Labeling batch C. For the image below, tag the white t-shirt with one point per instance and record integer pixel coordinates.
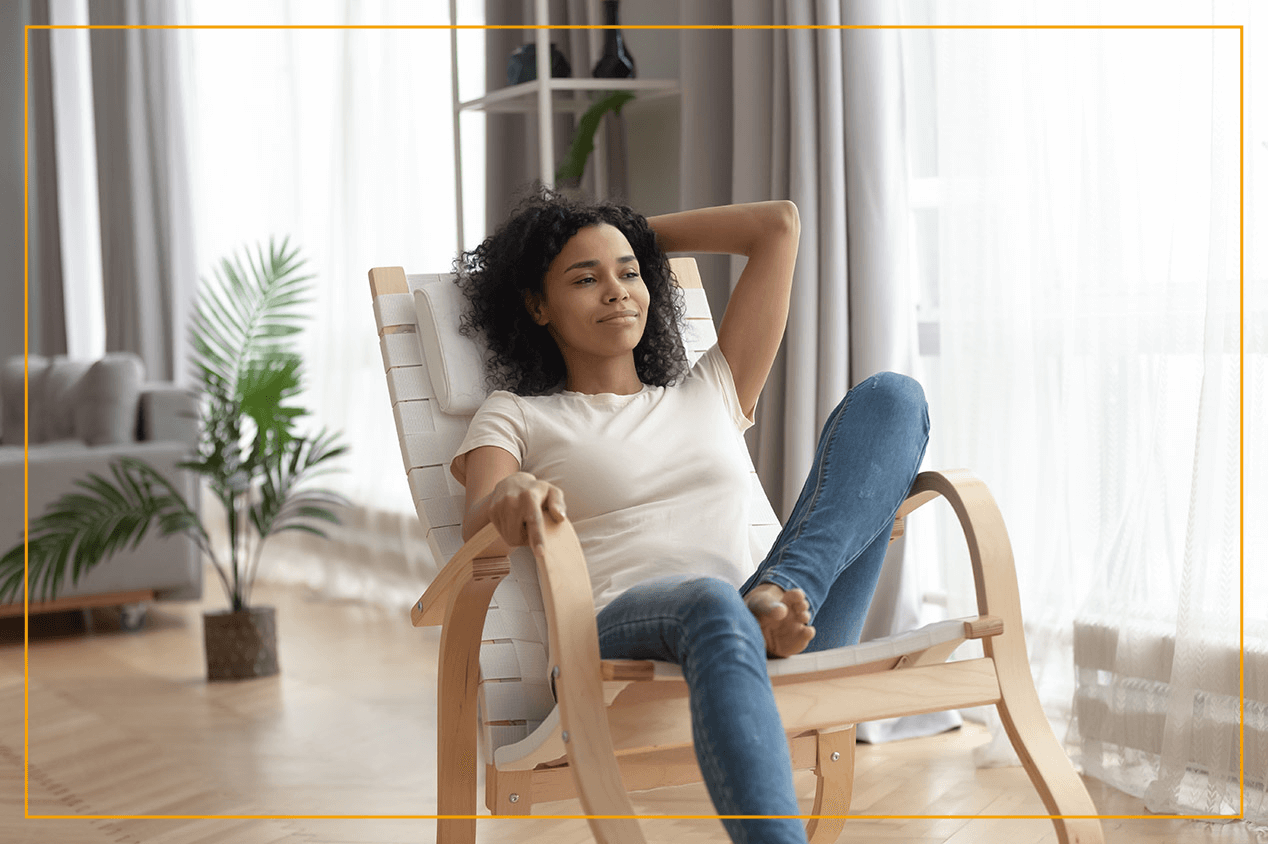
(655, 483)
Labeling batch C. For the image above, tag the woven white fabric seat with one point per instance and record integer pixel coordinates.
(543, 741)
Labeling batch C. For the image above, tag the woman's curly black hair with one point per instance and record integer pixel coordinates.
(496, 275)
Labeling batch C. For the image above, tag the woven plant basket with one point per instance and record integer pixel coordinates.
(241, 644)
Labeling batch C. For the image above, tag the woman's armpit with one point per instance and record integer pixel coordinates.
(458, 468)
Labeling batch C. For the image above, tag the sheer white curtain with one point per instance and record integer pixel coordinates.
(341, 139)
(1087, 266)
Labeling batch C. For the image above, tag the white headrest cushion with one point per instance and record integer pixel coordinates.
(454, 362)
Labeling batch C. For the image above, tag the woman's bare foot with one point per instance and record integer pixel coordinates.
(783, 616)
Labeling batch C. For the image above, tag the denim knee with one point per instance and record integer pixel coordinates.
(718, 618)
(901, 389)
(900, 396)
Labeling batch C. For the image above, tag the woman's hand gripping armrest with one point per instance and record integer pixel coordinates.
(516, 502)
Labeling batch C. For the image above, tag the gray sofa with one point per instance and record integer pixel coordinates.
(82, 416)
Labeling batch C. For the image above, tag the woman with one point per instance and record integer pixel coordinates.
(600, 418)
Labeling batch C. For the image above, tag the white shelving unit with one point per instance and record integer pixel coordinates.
(543, 96)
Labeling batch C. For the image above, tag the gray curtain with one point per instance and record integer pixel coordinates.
(148, 271)
(814, 116)
(47, 314)
(512, 138)
(13, 151)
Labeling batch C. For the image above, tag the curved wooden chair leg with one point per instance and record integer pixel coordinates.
(574, 649)
(991, 554)
(1046, 763)
(834, 770)
(456, 703)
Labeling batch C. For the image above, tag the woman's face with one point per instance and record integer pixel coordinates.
(594, 302)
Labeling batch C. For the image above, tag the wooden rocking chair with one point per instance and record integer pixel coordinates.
(512, 630)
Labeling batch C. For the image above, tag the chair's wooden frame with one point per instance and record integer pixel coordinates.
(624, 728)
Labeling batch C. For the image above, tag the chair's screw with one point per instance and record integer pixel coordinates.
(565, 736)
(515, 798)
(420, 605)
(836, 756)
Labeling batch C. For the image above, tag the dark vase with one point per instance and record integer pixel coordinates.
(240, 645)
(616, 61)
(522, 65)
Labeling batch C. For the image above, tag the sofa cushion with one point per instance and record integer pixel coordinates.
(11, 398)
(169, 412)
(60, 390)
(106, 410)
(170, 565)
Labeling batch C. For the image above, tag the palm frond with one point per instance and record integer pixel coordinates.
(245, 312)
(282, 494)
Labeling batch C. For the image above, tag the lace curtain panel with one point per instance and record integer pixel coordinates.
(1091, 370)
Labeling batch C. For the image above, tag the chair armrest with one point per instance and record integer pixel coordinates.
(1020, 711)
(990, 552)
(455, 599)
(574, 657)
(463, 567)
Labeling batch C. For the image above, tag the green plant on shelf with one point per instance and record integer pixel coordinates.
(573, 165)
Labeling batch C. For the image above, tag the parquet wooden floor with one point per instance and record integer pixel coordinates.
(124, 724)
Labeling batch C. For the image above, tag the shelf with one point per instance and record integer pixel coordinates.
(523, 97)
(544, 97)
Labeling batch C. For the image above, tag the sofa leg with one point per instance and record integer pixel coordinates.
(132, 616)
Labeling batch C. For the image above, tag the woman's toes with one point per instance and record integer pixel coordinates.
(784, 618)
(767, 611)
(767, 602)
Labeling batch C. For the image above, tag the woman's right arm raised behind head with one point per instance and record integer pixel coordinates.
(496, 491)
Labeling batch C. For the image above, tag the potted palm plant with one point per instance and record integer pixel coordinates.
(251, 456)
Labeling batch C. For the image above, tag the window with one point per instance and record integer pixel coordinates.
(341, 139)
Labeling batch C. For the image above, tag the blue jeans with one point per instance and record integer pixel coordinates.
(832, 547)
